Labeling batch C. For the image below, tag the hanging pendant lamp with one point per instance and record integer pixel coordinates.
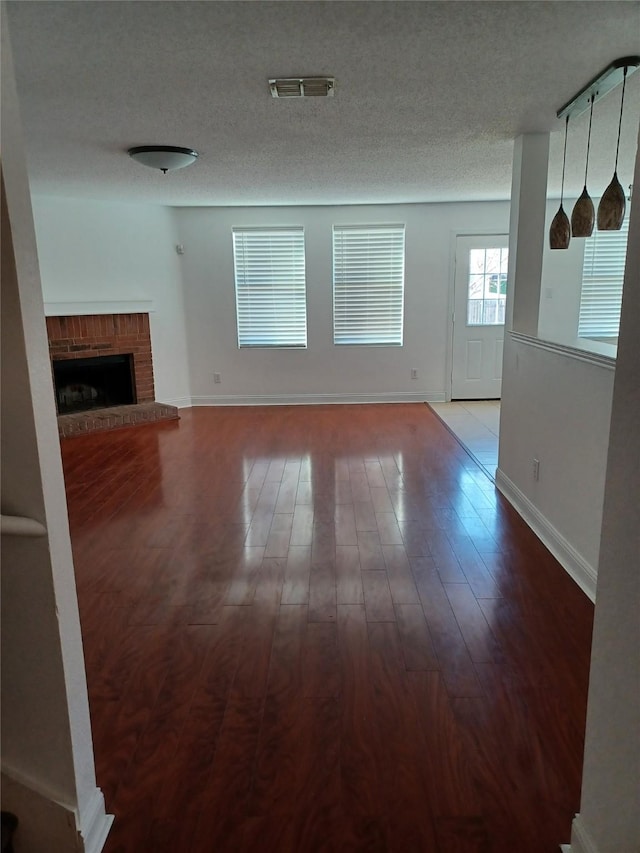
(583, 215)
(560, 230)
(612, 204)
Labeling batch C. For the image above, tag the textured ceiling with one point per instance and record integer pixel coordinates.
(429, 97)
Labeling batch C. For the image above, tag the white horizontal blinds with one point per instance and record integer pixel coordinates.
(602, 277)
(271, 302)
(368, 284)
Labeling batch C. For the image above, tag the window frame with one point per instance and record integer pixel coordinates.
(603, 268)
(499, 296)
(248, 338)
(353, 330)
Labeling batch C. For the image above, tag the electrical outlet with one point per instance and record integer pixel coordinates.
(217, 378)
(414, 372)
(536, 469)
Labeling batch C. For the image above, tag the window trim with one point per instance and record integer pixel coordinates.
(394, 257)
(605, 273)
(241, 237)
(487, 296)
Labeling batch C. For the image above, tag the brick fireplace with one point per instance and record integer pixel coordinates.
(106, 334)
(88, 337)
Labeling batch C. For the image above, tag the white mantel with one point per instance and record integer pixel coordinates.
(120, 306)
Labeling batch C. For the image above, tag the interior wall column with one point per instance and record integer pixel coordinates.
(526, 231)
(609, 819)
(526, 248)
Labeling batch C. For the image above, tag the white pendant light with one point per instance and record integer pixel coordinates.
(163, 157)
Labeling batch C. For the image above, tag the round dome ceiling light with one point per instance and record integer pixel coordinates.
(163, 157)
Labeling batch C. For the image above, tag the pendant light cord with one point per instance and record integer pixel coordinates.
(564, 158)
(624, 83)
(586, 168)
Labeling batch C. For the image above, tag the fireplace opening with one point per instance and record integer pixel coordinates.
(93, 383)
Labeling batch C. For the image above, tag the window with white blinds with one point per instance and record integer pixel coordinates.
(368, 284)
(602, 277)
(271, 297)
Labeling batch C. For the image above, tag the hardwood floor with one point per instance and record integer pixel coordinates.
(321, 629)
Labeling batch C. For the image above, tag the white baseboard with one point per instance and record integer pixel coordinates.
(317, 399)
(584, 574)
(47, 824)
(180, 402)
(581, 840)
(96, 824)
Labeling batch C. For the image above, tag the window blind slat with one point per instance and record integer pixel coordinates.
(271, 305)
(602, 278)
(368, 284)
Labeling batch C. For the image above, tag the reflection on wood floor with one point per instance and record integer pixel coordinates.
(321, 629)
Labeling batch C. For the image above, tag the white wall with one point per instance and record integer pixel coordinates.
(561, 291)
(556, 408)
(37, 742)
(609, 819)
(100, 251)
(561, 284)
(556, 402)
(324, 371)
(47, 757)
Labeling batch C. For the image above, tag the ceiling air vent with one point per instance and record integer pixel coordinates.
(302, 87)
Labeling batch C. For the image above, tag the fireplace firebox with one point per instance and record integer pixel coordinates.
(93, 383)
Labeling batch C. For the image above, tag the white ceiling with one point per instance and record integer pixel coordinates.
(429, 97)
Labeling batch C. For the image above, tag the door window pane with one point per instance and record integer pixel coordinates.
(487, 290)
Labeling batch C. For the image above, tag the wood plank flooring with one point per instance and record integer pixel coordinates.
(321, 629)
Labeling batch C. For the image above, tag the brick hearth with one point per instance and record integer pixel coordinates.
(96, 420)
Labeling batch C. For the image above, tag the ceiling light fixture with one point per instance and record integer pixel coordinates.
(163, 157)
(560, 231)
(583, 215)
(612, 204)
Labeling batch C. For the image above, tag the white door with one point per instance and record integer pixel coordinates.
(480, 293)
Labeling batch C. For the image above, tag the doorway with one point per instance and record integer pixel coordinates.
(480, 294)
